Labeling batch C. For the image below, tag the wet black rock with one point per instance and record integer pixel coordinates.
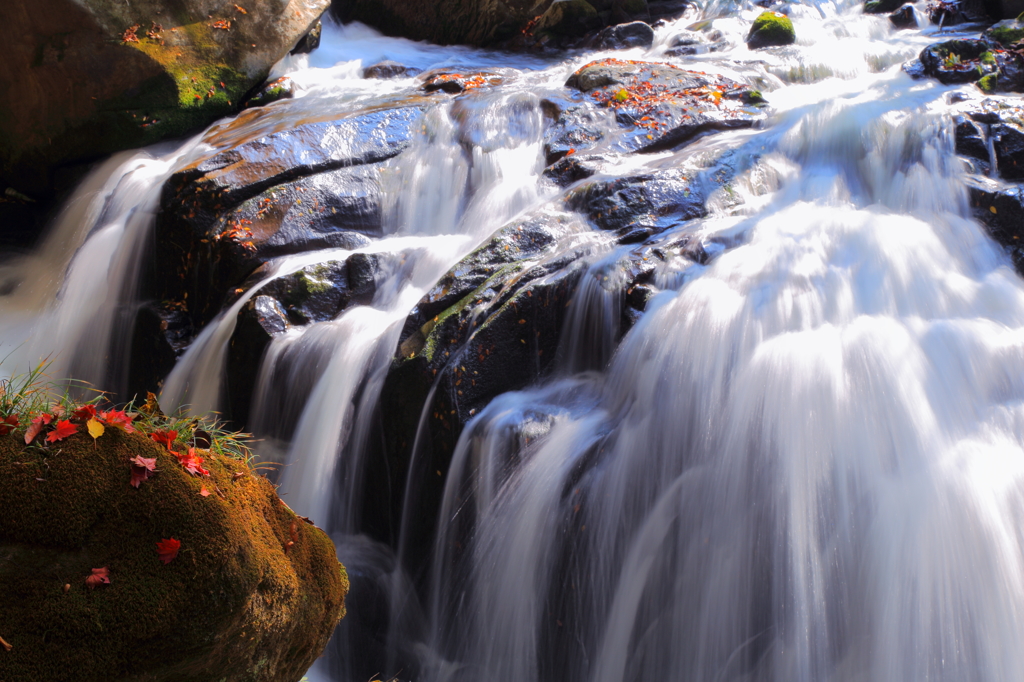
(638, 205)
(1008, 142)
(622, 37)
(659, 106)
(971, 139)
(389, 69)
(959, 61)
(904, 17)
(576, 124)
(258, 323)
(312, 184)
(1000, 208)
(493, 324)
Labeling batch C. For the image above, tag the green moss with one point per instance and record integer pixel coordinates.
(988, 58)
(1006, 32)
(770, 29)
(988, 83)
(234, 595)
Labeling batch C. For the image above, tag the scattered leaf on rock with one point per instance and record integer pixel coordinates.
(36, 426)
(165, 438)
(8, 424)
(192, 462)
(142, 469)
(100, 576)
(95, 428)
(167, 549)
(62, 430)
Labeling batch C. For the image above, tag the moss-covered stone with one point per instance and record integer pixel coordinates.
(568, 17)
(1006, 32)
(253, 594)
(771, 29)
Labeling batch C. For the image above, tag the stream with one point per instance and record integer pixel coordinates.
(803, 462)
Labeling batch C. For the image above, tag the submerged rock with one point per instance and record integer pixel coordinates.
(253, 594)
(622, 37)
(82, 80)
(389, 69)
(771, 29)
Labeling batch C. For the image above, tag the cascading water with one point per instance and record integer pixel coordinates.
(802, 464)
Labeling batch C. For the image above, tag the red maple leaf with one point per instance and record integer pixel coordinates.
(85, 412)
(204, 492)
(8, 424)
(192, 463)
(167, 549)
(142, 469)
(119, 419)
(36, 426)
(62, 430)
(100, 576)
(165, 438)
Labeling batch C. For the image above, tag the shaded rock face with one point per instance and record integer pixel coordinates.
(81, 81)
(254, 593)
(623, 37)
(904, 17)
(516, 23)
(441, 21)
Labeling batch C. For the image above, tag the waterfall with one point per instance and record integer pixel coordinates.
(803, 463)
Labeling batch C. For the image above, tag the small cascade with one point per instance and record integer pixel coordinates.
(778, 436)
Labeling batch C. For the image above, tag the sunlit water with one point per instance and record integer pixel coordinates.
(804, 464)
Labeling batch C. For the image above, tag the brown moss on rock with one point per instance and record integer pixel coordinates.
(254, 593)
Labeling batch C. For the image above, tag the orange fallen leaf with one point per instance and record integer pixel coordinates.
(204, 492)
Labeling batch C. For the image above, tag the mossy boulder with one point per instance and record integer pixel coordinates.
(1006, 32)
(79, 80)
(771, 29)
(253, 594)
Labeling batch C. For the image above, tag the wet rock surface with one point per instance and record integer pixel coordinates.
(311, 185)
(656, 106)
(993, 130)
(389, 69)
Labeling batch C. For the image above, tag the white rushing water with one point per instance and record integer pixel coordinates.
(804, 464)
